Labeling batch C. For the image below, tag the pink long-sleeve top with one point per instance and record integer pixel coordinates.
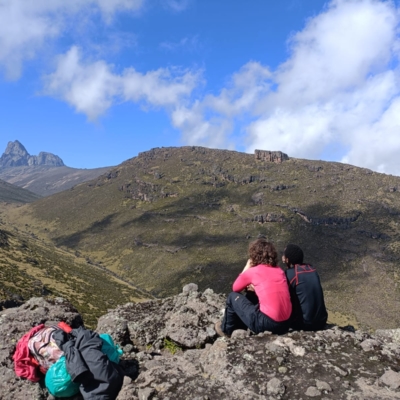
(271, 287)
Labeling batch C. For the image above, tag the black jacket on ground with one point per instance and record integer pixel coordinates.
(309, 311)
(98, 377)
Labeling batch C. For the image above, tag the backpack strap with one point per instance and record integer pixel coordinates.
(64, 326)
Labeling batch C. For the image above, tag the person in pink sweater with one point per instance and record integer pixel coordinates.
(266, 306)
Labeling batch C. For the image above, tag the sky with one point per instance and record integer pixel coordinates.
(98, 81)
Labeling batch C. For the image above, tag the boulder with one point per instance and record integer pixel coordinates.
(171, 351)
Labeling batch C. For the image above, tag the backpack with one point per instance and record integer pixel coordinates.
(44, 349)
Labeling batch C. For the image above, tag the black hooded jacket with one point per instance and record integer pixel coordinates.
(97, 376)
(309, 311)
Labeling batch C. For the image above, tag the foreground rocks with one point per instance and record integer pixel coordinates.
(172, 352)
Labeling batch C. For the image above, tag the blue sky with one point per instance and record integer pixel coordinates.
(97, 81)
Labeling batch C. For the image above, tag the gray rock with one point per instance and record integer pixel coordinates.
(391, 379)
(312, 391)
(14, 323)
(240, 334)
(369, 344)
(190, 287)
(321, 385)
(275, 387)
(146, 394)
(393, 334)
(172, 352)
(16, 155)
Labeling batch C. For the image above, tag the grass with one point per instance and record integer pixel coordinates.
(171, 346)
(14, 194)
(31, 268)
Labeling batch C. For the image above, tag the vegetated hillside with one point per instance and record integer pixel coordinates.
(176, 215)
(14, 194)
(46, 180)
(29, 267)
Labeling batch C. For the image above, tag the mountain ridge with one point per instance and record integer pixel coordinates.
(44, 174)
(16, 155)
(174, 215)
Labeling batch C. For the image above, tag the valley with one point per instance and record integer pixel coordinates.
(177, 215)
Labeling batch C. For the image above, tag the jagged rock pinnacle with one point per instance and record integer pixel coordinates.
(16, 155)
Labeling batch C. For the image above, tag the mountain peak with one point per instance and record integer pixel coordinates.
(16, 155)
(16, 148)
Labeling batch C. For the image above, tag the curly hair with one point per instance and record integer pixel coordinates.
(263, 252)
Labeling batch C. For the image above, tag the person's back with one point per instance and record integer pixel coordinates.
(309, 311)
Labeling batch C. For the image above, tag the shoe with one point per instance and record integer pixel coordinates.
(219, 330)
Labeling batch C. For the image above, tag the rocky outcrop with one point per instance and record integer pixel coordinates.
(270, 156)
(268, 217)
(16, 156)
(44, 174)
(171, 351)
(343, 221)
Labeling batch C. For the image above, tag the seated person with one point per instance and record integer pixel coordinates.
(268, 307)
(309, 311)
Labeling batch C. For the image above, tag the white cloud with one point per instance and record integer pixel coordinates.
(177, 5)
(197, 130)
(25, 26)
(337, 51)
(191, 43)
(89, 88)
(209, 122)
(92, 87)
(339, 88)
(163, 87)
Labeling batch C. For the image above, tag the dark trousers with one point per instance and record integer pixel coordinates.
(243, 311)
(302, 326)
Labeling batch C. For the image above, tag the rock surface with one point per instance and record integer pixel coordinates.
(271, 156)
(16, 156)
(42, 175)
(171, 351)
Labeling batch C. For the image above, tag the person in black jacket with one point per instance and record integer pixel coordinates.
(309, 311)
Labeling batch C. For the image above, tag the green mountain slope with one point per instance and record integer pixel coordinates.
(14, 194)
(30, 267)
(175, 215)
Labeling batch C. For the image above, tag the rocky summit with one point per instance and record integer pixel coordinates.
(16, 155)
(171, 351)
(44, 174)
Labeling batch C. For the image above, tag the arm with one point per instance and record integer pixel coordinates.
(244, 279)
(248, 265)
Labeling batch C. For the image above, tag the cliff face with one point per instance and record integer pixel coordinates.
(171, 351)
(271, 156)
(16, 156)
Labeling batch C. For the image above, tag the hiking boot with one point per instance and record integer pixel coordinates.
(219, 330)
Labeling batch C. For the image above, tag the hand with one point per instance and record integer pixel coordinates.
(250, 288)
(248, 265)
